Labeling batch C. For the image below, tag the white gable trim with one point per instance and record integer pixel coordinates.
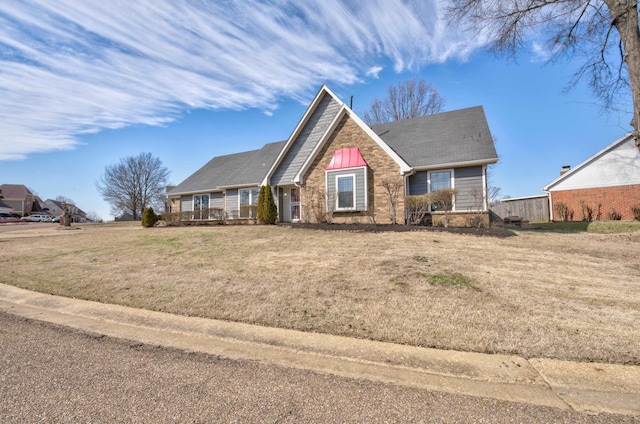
(587, 162)
(298, 179)
(296, 132)
(404, 167)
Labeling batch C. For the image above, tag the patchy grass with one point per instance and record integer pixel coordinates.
(596, 227)
(540, 293)
(449, 279)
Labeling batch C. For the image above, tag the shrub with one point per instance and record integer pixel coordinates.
(261, 203)
(248, 211)
(613, 215)
(417, 207)
(635, 210)
(587, 211)
(563, 212)
(443, 200)
(316, 206)
(149, 218)
(267, 209)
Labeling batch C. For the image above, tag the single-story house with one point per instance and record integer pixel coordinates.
(605, 186)
(334, 165)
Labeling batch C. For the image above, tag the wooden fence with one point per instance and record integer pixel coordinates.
(532, 209)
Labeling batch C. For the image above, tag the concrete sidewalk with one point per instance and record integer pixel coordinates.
(582, 386)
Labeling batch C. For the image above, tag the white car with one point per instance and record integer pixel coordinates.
(36, 218)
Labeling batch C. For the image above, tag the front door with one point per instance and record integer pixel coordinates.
(295, 204)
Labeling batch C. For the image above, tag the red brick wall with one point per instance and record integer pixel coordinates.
(620, 198)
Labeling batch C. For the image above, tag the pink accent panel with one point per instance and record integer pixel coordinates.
(346, 158)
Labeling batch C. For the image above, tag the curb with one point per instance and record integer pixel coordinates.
(586, 387)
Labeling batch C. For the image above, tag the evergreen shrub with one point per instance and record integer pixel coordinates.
(149, 217)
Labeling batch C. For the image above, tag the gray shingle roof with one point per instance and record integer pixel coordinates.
(445, 138)
(238, 169)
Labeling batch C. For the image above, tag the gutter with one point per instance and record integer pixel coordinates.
(455, 164)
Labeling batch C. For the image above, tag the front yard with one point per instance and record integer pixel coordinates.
(536, 293)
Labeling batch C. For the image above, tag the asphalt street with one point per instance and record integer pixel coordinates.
(54, 374)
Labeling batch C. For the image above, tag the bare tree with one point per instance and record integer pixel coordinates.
(604, 33)
(93, 216)
(443, 199)
(65, 199)
(408, 99)
(393, 189)
(133, 184)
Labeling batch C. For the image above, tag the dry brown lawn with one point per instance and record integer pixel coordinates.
(566, 296)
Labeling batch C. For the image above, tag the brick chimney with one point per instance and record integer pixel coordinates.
(565, 169)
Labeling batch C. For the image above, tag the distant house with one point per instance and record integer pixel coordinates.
(334, 164)
(55, 208)
(19, 198)
(605, 186)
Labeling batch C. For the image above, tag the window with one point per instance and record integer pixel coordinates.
(201, 206)
(248, 202)
(439, 181)
(345, 185)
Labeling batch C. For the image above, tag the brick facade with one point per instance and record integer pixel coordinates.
(619, 199)
(380, 167)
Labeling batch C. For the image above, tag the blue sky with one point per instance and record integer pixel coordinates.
(83, 84)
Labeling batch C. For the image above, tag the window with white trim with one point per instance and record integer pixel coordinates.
(439, 180)
(201, 206)
(248, 198)
(345, 192)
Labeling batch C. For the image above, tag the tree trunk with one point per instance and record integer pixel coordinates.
(625, 18)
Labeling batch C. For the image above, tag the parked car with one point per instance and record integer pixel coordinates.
(8, 217)
(36, 218)
(56, 218)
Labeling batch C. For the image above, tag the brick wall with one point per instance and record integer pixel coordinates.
(620, 198)
(381, 166)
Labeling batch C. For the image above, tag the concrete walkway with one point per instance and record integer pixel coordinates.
(588, 387)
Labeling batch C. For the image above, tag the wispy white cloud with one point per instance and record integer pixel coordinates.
(70, 67)
(541, 53)
(374, 72)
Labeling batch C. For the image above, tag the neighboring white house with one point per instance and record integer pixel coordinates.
(606, 185)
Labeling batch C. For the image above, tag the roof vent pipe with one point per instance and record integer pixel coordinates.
(565, 169)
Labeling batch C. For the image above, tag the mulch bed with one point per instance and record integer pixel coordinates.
(373, 228)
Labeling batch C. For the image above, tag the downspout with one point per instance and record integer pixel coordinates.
(297, 184)
(485, 189)
(406, 192)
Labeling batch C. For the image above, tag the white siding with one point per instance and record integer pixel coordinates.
(216, 201)
(232, 202)
(616, 167)
(186, 203)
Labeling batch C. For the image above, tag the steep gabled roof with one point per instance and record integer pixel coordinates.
(337, 115)
(14, 191)
(237, 170)
(449, 138)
